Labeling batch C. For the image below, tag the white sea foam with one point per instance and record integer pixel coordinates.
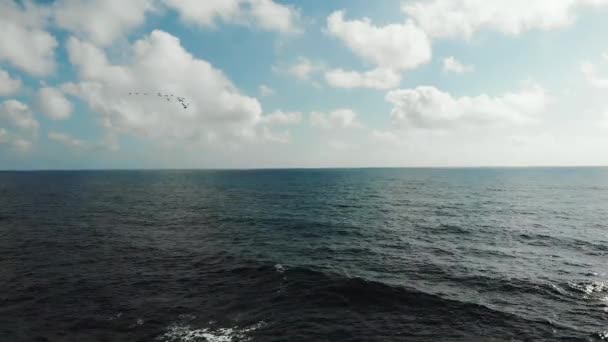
(590, 288)
(185, 333)
(279, 268)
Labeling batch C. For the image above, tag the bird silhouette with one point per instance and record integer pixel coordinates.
(168, 97)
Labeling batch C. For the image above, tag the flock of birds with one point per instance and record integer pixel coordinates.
(168, 97)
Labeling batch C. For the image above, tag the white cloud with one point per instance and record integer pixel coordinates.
(462, 18)
(391, 49)
(8, 85)
(53, 104)
(19, 116)
(265, 14)
(279, 117)
(303, 69)
(266, 90)
(66, 140)
(375, 79)
(101, 21)
(592, 75)
(394, 46)
(23, 41)
(21, 144)
(273, 136)
(429, 107)
(217, 109)
(272, 16)
(339, 118)
(451, 64)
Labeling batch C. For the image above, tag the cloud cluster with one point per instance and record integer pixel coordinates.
(395, 48)
(376, 79)
(391, 49)
(216, 107)
(8, 84)
(24, 42)
(265, 14)
(53, 104)
(429, 107)
(463, 18)
(100, 22)
(18, 117)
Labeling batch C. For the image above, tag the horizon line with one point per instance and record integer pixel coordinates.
(311, 168)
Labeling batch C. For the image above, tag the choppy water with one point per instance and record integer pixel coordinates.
(305, 255)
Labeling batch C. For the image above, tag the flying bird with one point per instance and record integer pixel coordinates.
(181, 100)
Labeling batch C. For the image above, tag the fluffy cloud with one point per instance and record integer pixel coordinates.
(375, 79)
(265, 14)
(462, 18)
(53, 104)
(100, 21)
(216, 107)
(66, 140)
(339, 118)
(395, 46)
(23, 41)
(273, 136)
(19, 116)
(8, 85)
(451, 64)
(391, 48)
(16, 142)
(428, 107)
(592, 75)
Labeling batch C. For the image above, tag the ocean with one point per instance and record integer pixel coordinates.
(488, 254)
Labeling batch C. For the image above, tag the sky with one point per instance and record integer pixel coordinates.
(269, 83)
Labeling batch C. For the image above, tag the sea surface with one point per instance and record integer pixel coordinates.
(305, 255)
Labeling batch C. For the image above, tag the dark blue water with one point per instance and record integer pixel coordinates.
(305, 255)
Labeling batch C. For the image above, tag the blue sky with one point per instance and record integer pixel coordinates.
(302, 83)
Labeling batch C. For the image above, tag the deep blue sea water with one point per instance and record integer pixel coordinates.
(305, 255)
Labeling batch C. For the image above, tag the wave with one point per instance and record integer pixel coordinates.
(185, 333)
(589, 289)
(543, 240)
(342, 299)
